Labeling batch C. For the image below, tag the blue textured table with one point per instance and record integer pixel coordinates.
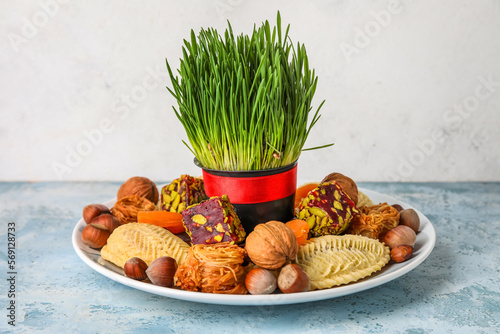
(456, 290)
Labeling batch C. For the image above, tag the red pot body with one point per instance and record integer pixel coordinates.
(257, 196)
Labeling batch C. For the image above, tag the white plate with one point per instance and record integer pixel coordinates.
(426, 239)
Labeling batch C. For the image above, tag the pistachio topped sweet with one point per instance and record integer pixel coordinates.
(213, 221)
(181, 193)
(327, 210)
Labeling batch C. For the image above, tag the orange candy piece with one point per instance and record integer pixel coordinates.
(172, 221)
(302, 192)
(300, 228)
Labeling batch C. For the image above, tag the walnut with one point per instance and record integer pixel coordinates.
(271, 245)
(347, 184)
(141, 186)
(126, 208)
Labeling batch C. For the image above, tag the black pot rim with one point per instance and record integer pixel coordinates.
(247, 173)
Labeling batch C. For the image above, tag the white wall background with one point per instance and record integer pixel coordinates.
(412, 88)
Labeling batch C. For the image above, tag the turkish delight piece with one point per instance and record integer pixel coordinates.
(213, 221)
(327, 210)
(181, 193)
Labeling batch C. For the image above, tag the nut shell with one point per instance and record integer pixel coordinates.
(162, 270)
(107, 220)
(260, 281)
(293, 279)
(93, 210)
(271, 245)
(401, 253)
(347, 184)
(397, 207)
(140, 186)
(400, 235)
(410, 218)
(95, 235)
(135, 268)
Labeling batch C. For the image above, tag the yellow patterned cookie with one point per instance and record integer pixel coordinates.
(145, 241)
(363, 200)
(333, 260)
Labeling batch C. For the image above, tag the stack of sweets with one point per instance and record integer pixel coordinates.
(327, 210)
(213, 221)
(181, 193)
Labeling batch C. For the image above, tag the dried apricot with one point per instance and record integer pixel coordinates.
(302, 192)
(172, 221)
(300, 228)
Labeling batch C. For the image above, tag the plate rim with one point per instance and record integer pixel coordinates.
(272, 299)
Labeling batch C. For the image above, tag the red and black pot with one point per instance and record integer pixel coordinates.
(257, 196)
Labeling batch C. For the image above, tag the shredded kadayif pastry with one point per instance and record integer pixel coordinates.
(374, 221)
(215, 268)
(126, 208)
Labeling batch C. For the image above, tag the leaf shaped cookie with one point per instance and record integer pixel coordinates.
(363, 200)
(333, 260)
(145, 241)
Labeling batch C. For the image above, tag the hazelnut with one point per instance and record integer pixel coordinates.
(260, 281)
(140, 186)
(93, 210)
(162, 270)
(400, 235)
(95, 235)
(106, 220)
(397, 207)
(293, 278)
(401, 253)
(410, 218)
(135, 268)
